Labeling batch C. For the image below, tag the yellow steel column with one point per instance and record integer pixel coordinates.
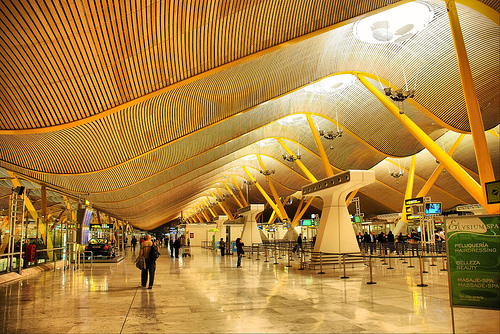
(31, 209)
(409, 186)
(298, 162)
(351, 196)
(219, 202)
(204, 213)
(299, 207)
(239, 191)
(234, 196)
(458, 173)
(266, 196)
(223, 201)
(321, 149)
(432, 179)
(481, 149)
(304, 209)
(209, 208)
(273, 190)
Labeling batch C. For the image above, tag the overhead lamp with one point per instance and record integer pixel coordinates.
(291, 158)
(330, 135)
(399, 95)
(250, 183)
(267, 172)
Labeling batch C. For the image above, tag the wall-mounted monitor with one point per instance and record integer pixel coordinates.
(432, 208)
(306, 222)
(357, 219)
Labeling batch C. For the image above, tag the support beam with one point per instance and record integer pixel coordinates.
(432, 179)
(266, 196)
(223, 201)
(42, 227)
(321, 149)
(273, 190)
(240, 192)
(232, 194)
(481, 149)
(304, 209)
(209, 208)
(409, 186)
(451, 166)
(351, 196)
(299, 163)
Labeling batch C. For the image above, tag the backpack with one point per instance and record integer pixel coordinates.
(154, 253)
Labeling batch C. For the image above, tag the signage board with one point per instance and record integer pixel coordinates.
(492, 192)
(473, 245)
(413, 201)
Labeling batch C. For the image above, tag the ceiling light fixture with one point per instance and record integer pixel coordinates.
(395, 25)
(291, 157)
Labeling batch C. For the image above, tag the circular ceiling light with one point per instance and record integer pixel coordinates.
(267, 142)
(292, 120)
(394, 25)
(333, 84)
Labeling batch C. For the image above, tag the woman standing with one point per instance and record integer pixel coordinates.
(239, 251)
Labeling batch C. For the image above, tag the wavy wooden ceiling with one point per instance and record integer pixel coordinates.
(143, 107)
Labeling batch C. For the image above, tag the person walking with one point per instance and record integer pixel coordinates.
(239, 251)
(134, 242)
(150, 263)
(222, 246)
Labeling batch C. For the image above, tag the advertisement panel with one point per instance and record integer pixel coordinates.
(473, 244)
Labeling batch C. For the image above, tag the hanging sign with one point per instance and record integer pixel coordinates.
(473, 244)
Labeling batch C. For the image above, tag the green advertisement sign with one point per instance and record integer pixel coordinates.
(473, 244)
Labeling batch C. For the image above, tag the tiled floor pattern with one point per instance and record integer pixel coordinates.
(206, 293)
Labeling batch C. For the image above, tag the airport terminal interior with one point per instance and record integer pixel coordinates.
(352, 146)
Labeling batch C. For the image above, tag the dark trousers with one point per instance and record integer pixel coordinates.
(172, 251)
(150, 268)
(222, 251)
(177, 252)
(239, 260)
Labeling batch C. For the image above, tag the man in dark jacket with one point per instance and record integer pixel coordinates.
(177, 245)
(239, 251)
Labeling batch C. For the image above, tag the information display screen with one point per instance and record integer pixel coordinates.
(306, 222)
(432, 208)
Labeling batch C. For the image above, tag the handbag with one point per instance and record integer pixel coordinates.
(140, 262)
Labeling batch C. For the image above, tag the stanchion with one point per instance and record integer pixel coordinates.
(370, 265)
(267, 250)
(390, 265)
(275, 255)
(343, 261)
(421, 272)
(321, 263)
(384, 262)
(289, 256)
(258, 254)
(423, 265)
(410, 266)
(444, 265)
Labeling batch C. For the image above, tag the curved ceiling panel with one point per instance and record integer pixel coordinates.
(144, 107)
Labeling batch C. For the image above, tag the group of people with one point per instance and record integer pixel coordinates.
(370, 241)
(239, 249)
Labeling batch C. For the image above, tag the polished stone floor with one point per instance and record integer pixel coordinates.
(206, 293)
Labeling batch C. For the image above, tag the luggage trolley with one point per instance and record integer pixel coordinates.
(186, 251)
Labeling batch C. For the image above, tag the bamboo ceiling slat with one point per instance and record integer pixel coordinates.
(66, 62)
